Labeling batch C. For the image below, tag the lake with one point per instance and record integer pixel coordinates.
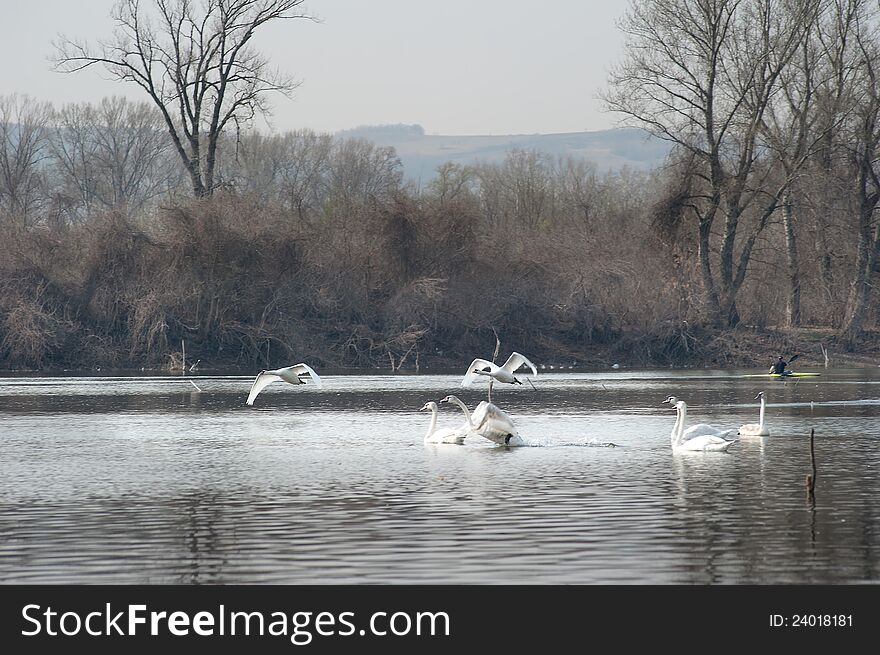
(136, 479)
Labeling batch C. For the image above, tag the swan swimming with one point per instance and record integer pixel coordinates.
(489, 421)
(445, 435)
(701, 428)
(698, 442)
(503, 373)
(287, 374)
(756, 429)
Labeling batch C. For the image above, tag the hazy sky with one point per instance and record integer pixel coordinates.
(455, 67)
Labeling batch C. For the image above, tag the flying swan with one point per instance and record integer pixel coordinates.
(489, 421)
(756, 429)
(503, 373)
(699, 442)
(289, 374)
(445, 435)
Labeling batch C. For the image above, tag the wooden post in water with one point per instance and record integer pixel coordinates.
(811, 477)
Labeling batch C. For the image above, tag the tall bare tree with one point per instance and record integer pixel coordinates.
(289, 169)
(114, 154)
(864, 139)
(196, 63)
(23, 132)
(794, 127)
(700, 74)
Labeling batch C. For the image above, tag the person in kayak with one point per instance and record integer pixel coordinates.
(779, 368)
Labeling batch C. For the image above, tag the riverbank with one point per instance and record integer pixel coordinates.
(744, 347)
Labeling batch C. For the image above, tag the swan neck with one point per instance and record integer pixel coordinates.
(678, 430)
(761, 414)
(433, 423)
(464, 409)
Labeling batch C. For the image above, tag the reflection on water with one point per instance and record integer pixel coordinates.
(146, 480)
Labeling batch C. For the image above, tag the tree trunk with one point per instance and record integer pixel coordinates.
(793, 301)
(826, 272)
(860, 288)
(727, 284)
(709, 290)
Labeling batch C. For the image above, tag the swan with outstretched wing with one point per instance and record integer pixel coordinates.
(504, 373)
(290, 374)
(489, 421)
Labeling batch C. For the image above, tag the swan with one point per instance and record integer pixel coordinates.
(503, 373)
(288, 374)
(702, 428)
(756, 429)
(445, 435)
(699, 442)
(489, 421)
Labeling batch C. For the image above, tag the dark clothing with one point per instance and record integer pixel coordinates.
(779, 367)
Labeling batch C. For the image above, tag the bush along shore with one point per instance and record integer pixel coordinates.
(409, 284)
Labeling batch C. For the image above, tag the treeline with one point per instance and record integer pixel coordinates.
(315, 248)
(774, 111)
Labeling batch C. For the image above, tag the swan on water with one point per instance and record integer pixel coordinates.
(289, 374)
(489, 421)
(702, 428)
(756, 429)
(503, 373)
(445, 435)
(697, 442)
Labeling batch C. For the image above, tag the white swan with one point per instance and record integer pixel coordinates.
(698, 442)
(756, 429)
(702, 428)
(287, 374)
(489, 421)
(444, 435)
(503, 373)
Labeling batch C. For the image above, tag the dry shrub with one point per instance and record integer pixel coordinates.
(147, 325)
(32, 334)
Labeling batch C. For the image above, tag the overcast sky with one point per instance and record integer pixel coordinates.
(457, 67)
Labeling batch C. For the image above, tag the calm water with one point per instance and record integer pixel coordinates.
(146, 480)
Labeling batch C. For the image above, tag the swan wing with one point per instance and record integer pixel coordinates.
(264, 378)
(493, 423)
(515, 361)
(488, 413)
(301, 369)
(704, 429)
(477, 365)
(708, 442)
(496, 430)
(447, 435)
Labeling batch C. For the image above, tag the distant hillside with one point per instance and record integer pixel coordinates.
(421, 154)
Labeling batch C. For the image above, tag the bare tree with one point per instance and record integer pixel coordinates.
(794, 127)
(114, 154)
(23, 130)
(289, 170)
(195, 62)
(864, 136)
(360, 173)
(700, 74)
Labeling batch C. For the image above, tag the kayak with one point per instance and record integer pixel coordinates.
(783, 375)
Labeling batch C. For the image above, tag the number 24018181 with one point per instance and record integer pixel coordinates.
(812, 620)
